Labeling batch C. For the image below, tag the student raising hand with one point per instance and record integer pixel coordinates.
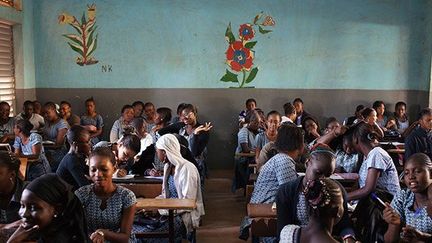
(204, 128)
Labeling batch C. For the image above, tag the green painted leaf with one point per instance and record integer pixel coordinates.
(252, 75)
(90, 35)
(76, 48)
(263, 31)
(77, 28)
(93, 47)
(250, 45)
(257, 17)
(83, 19)
(75, 38)
(229, 77)
(89, 26)
(229, 36)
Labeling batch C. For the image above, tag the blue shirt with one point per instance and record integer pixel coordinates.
(50, 130)
(96, 121)
(245, 136)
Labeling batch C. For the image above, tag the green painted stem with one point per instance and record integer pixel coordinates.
(244, 78)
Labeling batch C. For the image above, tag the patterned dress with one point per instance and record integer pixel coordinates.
(96, 121)
(290, 234)
(110, 217)
(178, 224)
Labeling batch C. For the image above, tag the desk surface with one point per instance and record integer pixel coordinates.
(169, 203)
(263, 210)
(138, 180)
(396, 151)
(339, 176)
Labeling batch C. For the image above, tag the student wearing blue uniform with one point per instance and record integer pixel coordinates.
(92, 121)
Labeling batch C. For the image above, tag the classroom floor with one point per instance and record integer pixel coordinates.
(224, 210)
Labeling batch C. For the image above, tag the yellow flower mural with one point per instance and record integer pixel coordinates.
(85, 41)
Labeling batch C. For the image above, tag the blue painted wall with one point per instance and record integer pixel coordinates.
(332, 44)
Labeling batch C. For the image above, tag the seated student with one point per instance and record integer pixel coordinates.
(311, 128)
(6, 123)
(420, 139)
(140, 127)
(11, 187)
(55, 131)
(109, 208)
(290, 113)
(281, 167)
(408, 210)
(379, 107)
(301, 113)
(73, 168)
(377, 169)
(391, 124)
(267, 152)
(122, 124)
(66, 114)
(245, 144)
(251, 104)
(138, 107)
(124, 151)
(29, 144)
(178, 118)
(181, 180)
(37, 107)
(354, 119)
(51, 212)
(92, 121)
(150, 115)
(292, 206)
(27, 114)
(370, 117)
(325, 201)
(402, 121)
(269, 135)
(162, 119)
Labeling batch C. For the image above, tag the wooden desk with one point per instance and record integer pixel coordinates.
(138, 180)
(261, 210)
(396, 151)
(141, 186)
(264, 220)
(24, 166)
(170, 204)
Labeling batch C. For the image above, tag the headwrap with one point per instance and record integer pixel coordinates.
(186, 180)
(55, 191)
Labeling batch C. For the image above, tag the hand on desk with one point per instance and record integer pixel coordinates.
(154, 172)
(121, 173)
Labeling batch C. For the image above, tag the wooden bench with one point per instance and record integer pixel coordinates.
(264, 221)
(144, 190)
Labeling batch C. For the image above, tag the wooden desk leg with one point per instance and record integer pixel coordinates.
(171, 229)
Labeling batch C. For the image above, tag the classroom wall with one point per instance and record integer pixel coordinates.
(334, 54)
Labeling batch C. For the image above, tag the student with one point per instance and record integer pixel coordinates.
(55, 131)
(141, 131)
(138, 107)
(401, 117)
(178, 118)
(109, 208)
(150, 115)
(6, 123)
(92, 121)
(290, 113)
(29, 144)
(251, 104)
(301, 113)
(27, 114)
(325, 201)
(311, 128)
(281, 167)
(357, 116)
(420, 139)
(370, 117)
(408, 210)
(273, 122)
(37, 107)
(181, 180)
(11, 187)
(162, 119)
(66, 114)
(122, 124)
(292, 206)
(379, 107)
(391, 125)
(377, 169)
(73, 168)
(51, 211)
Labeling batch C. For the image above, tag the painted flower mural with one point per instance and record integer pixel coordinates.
(85, 41)
(240, 53)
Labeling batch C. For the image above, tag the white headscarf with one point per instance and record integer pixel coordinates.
(186, 179)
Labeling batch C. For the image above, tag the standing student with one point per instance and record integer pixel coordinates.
(6, 123)
(420, 139)
(109, 208)
(123, 124)
(27, 114)
(73, 168)
(66, 114)
(408, 210)
(92, 121)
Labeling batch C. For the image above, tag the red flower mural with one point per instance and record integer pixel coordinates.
(240, 54)
(239, 57)
(246, 32)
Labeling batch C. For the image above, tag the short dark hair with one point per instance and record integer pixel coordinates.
(131, 141)
(425, 112)
(180, 107)
(273, 113)
(9, 160)
(4, 103)
(298, 100)
(400, 103)
(125, 107)
(190, 107)
(367, 111)
(289, 109)
(165, 114)
(359, 108)
(251, 100)
(27, 103)
(138, 102)
(24, 126)
(421, 158)
(378, 103)
(289, 138)
(63, 102)
(75, 133)
(50, 105)
(90, 100)
(330, 120)
(104, 152)
(365, 133)
(148, 104)
(251, 115)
